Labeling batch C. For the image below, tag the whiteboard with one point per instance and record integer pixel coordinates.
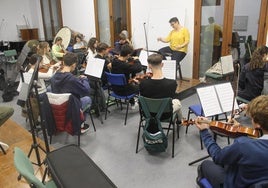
(159, 26)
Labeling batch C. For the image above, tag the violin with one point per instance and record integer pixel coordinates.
(228, 129)
(140, 77)
(45, 68)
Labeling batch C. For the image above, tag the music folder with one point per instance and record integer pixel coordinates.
(94, 67)
(217, 99)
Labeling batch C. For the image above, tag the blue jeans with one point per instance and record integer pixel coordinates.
(86, 103)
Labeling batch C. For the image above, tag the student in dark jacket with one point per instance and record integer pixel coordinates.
(125, 64)
(244, 162)
(65, 82)
(252, 75)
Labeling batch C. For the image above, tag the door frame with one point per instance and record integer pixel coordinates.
(227, 32)
(111, 16)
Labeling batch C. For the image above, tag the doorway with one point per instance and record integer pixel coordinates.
(112, 16)
(234, 19)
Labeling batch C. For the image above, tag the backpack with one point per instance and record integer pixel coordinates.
(154, 138)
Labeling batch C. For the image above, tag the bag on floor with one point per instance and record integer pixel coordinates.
(153, 136)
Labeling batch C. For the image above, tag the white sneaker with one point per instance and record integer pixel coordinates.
(4, 146)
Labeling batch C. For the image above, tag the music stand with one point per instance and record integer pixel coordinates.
(32, 90)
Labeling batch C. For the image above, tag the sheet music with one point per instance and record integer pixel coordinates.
(169, 69)
(226, 96)
(144, 56)
(227, 64)
(209, 100)
(95, 67)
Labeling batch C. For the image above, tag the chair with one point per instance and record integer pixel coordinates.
(153, 106)
(197, 110)
(117, 80)
(57, 113)
(25, 168)
(11, 56)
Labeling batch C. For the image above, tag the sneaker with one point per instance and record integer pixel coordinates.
(84, 128)
(199, 176)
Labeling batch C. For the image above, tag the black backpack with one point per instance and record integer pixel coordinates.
(154, 138)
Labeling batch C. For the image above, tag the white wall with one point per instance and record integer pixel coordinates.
(12, 13)
(156, 14)
(79, 16)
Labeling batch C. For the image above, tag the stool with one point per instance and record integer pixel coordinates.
(197, 110)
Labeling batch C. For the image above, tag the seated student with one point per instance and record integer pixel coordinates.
(58, 50)
(118, 45)
(79, 43)
(122, 65)
(242, 163)
(96, 85)
(158, 86)
(252, 75)
(65, 82)
(91, 48)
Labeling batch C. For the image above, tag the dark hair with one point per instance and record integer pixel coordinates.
(257, 58)
(211, 20)
(101, 46)
(155, 59)
(78, 36)
(174, 19)
(258, 111)
(58, 39)
(34, 58)
(91, 43)
(70, 59)
(126, 49)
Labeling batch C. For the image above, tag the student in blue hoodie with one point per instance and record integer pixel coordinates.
(65, 82)
(245, 161)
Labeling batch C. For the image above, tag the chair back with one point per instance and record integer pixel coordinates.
(116, 79)
(25, 168)
(10, 55)
(154, 105)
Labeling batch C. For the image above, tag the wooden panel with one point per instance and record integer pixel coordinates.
(29, 34)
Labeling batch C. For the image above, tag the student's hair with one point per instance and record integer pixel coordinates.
(78, 36)
(101, 46)
(174, 19)
(122, 36)
(257, 58)
(34, 58)
(126, 49)
(70, 59)
(91, 43)
(58, 39)
(41, 47)
(258, 111)
(155, 59)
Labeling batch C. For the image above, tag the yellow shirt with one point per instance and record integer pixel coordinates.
(217, 32)
(176, 38)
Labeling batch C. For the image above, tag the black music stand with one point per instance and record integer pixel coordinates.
(32, 90)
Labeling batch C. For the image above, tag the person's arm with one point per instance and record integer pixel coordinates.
(165, 40)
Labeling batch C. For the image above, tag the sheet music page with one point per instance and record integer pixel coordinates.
(227, 64)
(169, 69)
(144, 56)
(94, 67)
(226, 96)
(209, 100)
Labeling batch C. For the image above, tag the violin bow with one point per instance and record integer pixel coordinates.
(236, 89)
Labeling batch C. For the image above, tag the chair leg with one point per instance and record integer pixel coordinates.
(78, 140)
(138, 137)
(201, 142)
(92, 121)
(188, 118)
(126, 112)
(179, 68)
(173, 140)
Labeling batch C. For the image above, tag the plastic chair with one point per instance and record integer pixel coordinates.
(117, 80)
(57, 112)
(25, 168)
(11, 56)
(153, 106)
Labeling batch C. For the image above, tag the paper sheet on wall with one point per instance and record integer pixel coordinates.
(209, 100)
(94, 67)
(169, 69)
